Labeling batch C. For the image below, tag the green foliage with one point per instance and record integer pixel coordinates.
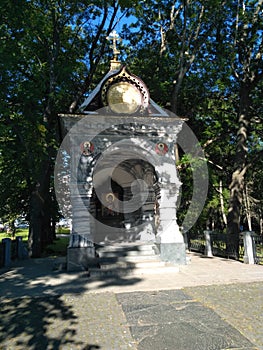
(58, 247)
(19, 232)
(49, 53)
(194, 57)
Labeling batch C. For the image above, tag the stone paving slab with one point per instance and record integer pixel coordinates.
(157, 320)
(38, 277)
(173, 320)
(239, 304)
(70, 322)
(44, 308)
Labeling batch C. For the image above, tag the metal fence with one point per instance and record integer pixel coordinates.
(197, 244)
(218, 244)
(258, 241)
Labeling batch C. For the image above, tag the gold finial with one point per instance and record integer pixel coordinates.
(114, 37)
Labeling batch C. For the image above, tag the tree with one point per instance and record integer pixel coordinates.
(169, 37)
(247, 65)
(44, 51)
(203, 60)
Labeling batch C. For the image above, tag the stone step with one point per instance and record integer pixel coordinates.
(132, 248)
(133, 265)
(127, 271)
(157, 270)
(129, 258)
(126, 244)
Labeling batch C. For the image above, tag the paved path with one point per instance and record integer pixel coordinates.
(210, 304)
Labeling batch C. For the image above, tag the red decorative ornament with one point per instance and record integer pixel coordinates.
(161, 148)
(87, 148)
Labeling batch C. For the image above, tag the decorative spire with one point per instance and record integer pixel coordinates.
(115, 38)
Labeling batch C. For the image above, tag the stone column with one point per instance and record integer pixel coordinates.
(80, 219)
(208, 244)
(172, 246)
(21, 250)
(81, 251)
(78, 192)
(7, 251)
(249, 246)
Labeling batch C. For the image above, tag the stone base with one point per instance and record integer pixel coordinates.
(80, 259)
(173, 253)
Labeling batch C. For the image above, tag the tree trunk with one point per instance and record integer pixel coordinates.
(237, 183)
(46, 184)
(233, 217)
(222, 203)
(40, 233)
(247, 208)
(260, 220)
(176, 89)
(35, 229)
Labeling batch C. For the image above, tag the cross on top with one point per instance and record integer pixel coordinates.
(114, 37)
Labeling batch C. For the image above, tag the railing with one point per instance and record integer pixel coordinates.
(212, 244)
(197, 244)
(258, 241)
(2, 257)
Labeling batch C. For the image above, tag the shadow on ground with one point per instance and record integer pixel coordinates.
(35, 323)
(38, 277)
(46, 309)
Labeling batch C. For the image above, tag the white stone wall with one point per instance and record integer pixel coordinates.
(117, 139)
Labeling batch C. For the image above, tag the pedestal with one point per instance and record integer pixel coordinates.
(80, 259)
(80, 253)
(172, 245)
(173, 253)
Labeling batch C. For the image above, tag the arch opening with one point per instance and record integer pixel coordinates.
(143, 217)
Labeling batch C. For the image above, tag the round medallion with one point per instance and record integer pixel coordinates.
(87, 148)
(161, 148)
(123, 97)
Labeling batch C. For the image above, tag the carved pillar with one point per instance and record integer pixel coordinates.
(79, 199)
(172, 246)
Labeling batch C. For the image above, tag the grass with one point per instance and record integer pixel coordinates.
(19, 232)
(57, 248)
(63, 230)
(60, 244)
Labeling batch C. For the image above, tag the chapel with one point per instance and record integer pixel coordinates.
(123, 182)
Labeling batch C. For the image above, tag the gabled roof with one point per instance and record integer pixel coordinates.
(92, 103)
(84, 107)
